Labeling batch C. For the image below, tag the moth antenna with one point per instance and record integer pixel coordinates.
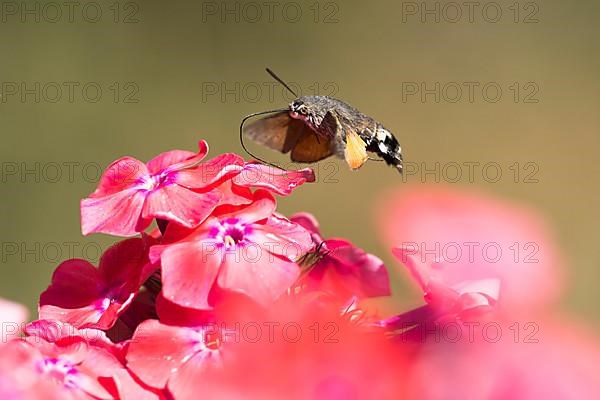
(242, 135)
(278, 79)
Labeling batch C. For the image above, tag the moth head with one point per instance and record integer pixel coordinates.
(299, 110)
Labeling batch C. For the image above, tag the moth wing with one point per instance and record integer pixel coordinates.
(278, 132)
(355, 152)
(311, 148)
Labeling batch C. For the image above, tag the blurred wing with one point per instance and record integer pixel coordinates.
(279, 131)
(311, 148)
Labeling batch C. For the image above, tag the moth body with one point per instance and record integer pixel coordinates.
(316, 127)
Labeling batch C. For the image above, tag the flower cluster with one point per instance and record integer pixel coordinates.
(227, 298)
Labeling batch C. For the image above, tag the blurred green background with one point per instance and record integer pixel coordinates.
(85, 85)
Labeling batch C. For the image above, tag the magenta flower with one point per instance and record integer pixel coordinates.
(248, 250)
(342, 268)
(89, 297)
(172, 186)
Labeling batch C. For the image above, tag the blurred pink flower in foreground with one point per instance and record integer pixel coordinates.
(477, 237)
(12, 318)
(290, 350)
(485, 332)
(57, 361)
(496, 359)
(450, 300)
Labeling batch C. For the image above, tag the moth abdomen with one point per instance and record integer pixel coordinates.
(384, 144)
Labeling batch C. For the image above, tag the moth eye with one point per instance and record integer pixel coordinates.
(303, 111)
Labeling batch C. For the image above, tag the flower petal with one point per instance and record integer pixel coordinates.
(115, 214)
(189, 271)
(308, 221)
(282, 237)
(175, 160)
(263, 279)
(443, 292)
(12, 315)
(277, 180)
(75, 283)
(263, 205)
(157, 350)
(184, 383)
(348, 271)
(122, 263)
(130, 388)
(181, 205)
(124, 173)
(488, 238)
(234, 195)
(211, 172)
(79, 317)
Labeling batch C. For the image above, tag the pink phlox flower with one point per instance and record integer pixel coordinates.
(247, 249)
(341, 268)
(173, 186)
(85, 296)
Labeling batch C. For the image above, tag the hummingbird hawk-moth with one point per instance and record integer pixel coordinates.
(315, 127)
